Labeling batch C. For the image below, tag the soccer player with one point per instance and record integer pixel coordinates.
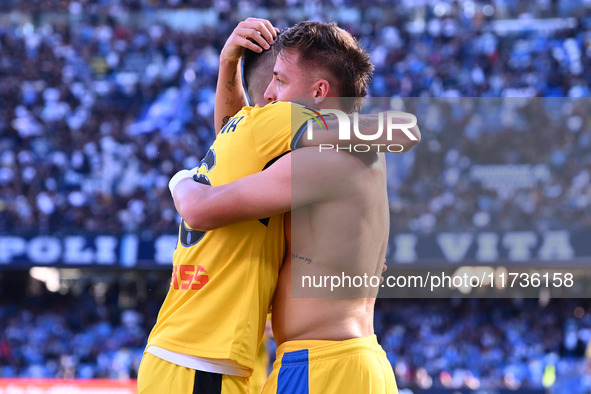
(208, 329)
(340, 211)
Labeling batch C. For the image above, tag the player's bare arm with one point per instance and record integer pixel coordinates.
(259, 195)
(230, 96)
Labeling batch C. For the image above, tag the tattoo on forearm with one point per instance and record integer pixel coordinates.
(304, 259)
(229, 102)
(231, 84)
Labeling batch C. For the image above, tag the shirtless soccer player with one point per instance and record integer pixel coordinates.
(340, 211)
(209, 326)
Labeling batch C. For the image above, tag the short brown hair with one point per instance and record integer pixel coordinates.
(327, 46)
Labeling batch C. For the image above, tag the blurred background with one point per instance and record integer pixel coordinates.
(101, 102)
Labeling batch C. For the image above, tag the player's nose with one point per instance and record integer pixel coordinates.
(271, 93)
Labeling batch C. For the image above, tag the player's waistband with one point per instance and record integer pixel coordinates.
(293, 352)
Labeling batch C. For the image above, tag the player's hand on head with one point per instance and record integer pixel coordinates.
(245, 35)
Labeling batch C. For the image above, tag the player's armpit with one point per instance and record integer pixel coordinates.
(398, 128)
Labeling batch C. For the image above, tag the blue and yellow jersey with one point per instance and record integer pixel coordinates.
(223, 280)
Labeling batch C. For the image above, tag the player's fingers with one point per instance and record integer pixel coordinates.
(246, 36)
(261, 40)
(254, 35)
(270, 28)
(384, 268)
(246, 43)
(262, 29)
(264, 24)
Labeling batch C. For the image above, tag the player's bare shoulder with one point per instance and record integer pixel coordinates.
(334, 175)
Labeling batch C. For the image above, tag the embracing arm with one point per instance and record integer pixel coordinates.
(256, 196)
(259, 195)
(230, 96)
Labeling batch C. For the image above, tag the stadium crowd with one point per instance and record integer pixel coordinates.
(98, 329)
(113, 109)
(93, 331)
(101, 103)
(484, 343)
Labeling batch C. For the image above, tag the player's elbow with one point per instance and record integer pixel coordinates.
(200, 222)
(194, 223)
(197, 217)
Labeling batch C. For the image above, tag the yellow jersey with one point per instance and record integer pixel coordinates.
(223, 280)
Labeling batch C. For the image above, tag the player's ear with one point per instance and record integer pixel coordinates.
(321, 89)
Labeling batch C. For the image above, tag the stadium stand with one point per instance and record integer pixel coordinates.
(103, 101)
(98, 328)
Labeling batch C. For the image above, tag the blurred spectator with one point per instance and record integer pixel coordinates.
(92, 329)
(97, 328)
(484, 343)
(103, 101)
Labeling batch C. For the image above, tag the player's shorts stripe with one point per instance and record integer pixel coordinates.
(294, 373)
(207, 383)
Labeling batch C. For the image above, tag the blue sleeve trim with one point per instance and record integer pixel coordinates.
(298, 135)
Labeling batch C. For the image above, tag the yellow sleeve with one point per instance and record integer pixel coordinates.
(273, 126)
